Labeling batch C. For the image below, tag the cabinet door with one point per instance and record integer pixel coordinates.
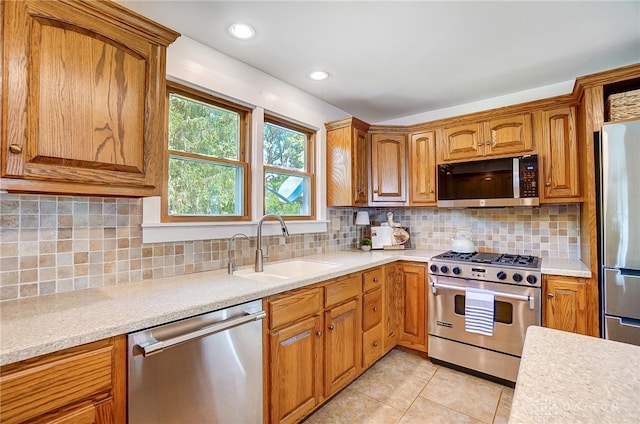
(508, 135)
(390, 308)
(422, 168)
(559, 155)
(565, 306)
(85, 99)
(388, 168)
(343, 345)
(462, 142)
(413, 307)
(296, 370)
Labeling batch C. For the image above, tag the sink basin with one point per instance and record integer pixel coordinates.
(285, 270)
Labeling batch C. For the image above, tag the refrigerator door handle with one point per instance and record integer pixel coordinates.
(628, 322)
(630, 272)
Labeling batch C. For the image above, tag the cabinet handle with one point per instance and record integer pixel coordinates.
(549, 294)
(15, 148)
(319, 333)
(375, 280)
(431, 191)
(547, 184)
(375, 344)
(375, 309)
(375, 191)
(331, 327)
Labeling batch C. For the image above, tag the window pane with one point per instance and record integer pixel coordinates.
(204, 188)
(197, 127)
(287, 194)
(284, 148)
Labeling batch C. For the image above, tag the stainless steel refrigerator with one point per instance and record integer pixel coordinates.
(619, 221)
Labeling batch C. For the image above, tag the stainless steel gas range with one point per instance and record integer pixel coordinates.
(512, 282)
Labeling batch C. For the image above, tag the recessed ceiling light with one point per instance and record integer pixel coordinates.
(242, 31)
(319, 75)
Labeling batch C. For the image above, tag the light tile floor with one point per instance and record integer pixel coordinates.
(406, 388)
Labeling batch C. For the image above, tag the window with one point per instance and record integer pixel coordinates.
(288, 169)
(206, 163)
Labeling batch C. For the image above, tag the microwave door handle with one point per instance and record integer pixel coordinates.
(516, 178)
(531, 299)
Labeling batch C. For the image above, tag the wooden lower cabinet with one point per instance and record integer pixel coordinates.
(565, 303)
(412, 310)
(84, 384)
(295, 370)
(342, 345)
(390, 307)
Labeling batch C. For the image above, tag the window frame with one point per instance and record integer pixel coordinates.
(309, 165)
(244, 156)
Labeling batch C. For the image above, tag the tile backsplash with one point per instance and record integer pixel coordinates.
(51, 244)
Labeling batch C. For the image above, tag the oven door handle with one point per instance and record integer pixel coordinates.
(532, 302)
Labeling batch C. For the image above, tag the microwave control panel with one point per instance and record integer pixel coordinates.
(529, 177)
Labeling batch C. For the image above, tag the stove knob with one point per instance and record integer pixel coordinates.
(517, 278)
(501, 275)
(444, 269)
(531, 279)
(433, 268)
(456, 270)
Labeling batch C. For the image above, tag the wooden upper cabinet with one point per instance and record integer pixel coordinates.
(347, 162)
(84, 86)
(422, 165)
(388, 169)
(462, 142)
(559, 173)
(505, 136)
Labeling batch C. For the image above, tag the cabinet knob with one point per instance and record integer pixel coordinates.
(375, 280)
(375, 344)
(375, 191)
(547, 184)
(15, 148)
(319, 333)
(331, 327)
(375, 309)
(549, 294)
(431, 191)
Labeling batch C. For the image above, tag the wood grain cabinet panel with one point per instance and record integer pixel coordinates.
(413, 306)
(559, 168)
(85, 384)
(505, 136)
(84, 98)
(343, 348)
(422, 166)
(565, 304)
(347, 163)
(388, 169)
(295, 370)
(390, 308)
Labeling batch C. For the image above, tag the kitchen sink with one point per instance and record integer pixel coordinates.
(286, 269)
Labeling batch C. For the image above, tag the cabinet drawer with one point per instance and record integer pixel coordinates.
(372, 345)
(55, 381)
(292, 306)
(372, 311)
(372, 279)
(342, 289)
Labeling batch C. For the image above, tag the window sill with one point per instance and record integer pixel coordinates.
(154, 231)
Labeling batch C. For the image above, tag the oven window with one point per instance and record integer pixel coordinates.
(502, 311)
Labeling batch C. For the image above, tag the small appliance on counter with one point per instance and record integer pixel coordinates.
(390, 235)
(461, 240)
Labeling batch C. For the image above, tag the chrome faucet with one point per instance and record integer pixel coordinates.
(232, 264)
(259, 255)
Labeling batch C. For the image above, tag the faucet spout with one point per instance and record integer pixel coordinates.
(232, 263)
(259, 254)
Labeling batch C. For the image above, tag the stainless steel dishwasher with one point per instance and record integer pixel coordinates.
(205, 369)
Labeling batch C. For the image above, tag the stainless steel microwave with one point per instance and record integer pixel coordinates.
(489, 183)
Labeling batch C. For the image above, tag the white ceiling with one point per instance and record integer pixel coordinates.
(391, 59)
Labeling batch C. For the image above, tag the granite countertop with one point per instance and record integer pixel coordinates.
(570, 378)
(34, 326)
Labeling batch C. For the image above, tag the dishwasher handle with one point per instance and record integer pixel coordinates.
(153, 346)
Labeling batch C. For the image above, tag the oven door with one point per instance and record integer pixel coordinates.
(515, 308)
